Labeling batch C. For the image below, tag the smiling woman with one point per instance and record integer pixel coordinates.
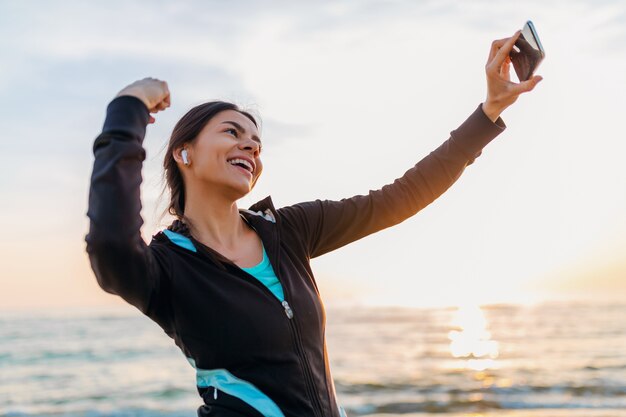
(234, 287)
(212, 160)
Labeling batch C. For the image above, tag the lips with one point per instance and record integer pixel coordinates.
(242, 160)
(242, 164)
(241, 169)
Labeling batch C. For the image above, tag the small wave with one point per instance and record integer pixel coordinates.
(134, 412)
(604, 367)
(425, 407)
(170, 393)
(472, 406)
(374, 388)
(86, 355)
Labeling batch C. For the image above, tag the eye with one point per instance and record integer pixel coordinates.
(232, 131)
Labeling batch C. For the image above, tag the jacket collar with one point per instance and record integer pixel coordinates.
(261, 209)
(263, 204)
(261, 216)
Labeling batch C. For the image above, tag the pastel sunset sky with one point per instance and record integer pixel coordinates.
(351, 95)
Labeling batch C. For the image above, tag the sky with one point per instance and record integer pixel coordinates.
(351, 95)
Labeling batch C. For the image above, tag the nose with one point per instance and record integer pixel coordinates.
(251, 145)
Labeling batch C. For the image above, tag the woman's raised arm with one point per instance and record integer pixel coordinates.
(327, 225)
(122, 262)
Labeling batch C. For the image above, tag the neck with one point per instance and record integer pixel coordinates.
(214, 219)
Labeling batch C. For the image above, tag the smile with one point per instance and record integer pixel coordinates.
(241, 169)
(242, 162)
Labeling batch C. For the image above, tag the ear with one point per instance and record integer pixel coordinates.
(177, 154)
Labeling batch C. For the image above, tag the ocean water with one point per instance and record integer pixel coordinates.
(545, 360)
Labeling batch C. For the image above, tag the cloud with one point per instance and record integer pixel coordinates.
(276, 132)
(382, 81)
(57, 98)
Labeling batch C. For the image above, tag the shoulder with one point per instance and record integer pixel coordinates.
(263, 208)
(267, 214)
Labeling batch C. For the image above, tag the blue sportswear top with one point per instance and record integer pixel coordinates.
(264, 272)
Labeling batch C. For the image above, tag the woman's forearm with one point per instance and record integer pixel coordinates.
(118, 255)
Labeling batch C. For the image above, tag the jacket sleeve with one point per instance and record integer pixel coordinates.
(121, 260)
(326, 225)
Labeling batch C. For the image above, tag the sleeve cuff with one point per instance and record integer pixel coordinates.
(476, 132)
(127, 114)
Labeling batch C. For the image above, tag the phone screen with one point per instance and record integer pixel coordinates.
(527, 53)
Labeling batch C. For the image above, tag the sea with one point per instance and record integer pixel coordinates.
(551, 359)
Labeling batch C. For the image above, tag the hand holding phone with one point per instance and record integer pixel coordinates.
(527, 53)
(501, 92)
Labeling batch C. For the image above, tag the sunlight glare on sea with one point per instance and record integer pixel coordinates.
(505, 360)
(471, 339)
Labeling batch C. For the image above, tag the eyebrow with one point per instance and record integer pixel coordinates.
(242, 130)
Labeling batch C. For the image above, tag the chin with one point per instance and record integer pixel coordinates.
(239, 191)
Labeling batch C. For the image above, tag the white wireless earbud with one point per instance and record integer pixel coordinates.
(185, 158)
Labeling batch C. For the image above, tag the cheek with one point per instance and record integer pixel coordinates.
(209, 166)
(212, 150)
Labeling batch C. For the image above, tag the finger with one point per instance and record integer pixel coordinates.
(152, 120)
(161, 105)
(495, 46)
(527, 85)
(505, 71)
(156, 108)
(166, 95)
(504, 65)
(167, 99)
(505, 49)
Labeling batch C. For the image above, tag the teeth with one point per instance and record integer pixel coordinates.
(241, 161)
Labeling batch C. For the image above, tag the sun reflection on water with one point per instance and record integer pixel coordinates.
(471, 339)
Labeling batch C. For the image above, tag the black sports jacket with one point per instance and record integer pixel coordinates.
(254, 355)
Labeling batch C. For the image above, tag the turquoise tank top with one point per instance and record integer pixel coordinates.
(264, 272)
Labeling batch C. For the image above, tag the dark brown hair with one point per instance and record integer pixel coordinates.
(186, 131)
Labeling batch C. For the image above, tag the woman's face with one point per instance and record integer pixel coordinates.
(225, 155)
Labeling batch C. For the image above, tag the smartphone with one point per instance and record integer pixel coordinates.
(527, 53)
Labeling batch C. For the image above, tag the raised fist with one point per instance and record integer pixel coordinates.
(153, 92)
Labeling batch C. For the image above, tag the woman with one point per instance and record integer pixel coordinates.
(234, 287)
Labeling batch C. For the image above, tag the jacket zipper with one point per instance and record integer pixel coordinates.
(295, 331)
(309, 383)
(286, 307)
(307, 370)
(297, 340)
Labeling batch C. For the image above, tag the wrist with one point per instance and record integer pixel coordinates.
(491, 111)
(134, 93)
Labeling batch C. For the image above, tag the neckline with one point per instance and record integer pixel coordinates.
(180, 227)
(261, 264)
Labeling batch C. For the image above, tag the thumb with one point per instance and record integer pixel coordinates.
(528, 85)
